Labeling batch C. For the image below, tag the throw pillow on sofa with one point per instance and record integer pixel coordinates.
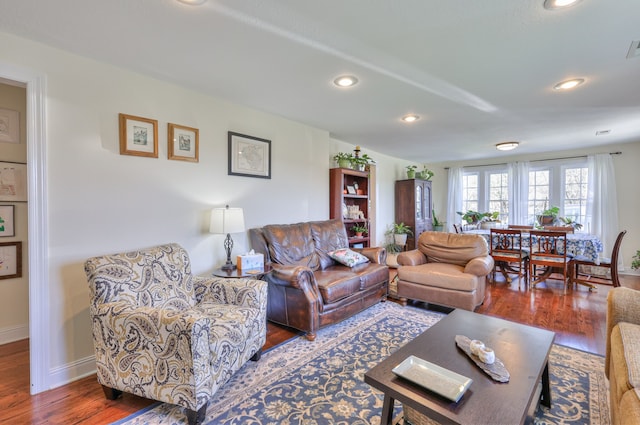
(347, 257)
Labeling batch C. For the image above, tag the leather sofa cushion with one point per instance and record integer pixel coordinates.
(339, 282)
(328, 236)
(441, 275)
(451, 248)
(629, 409)
(291, 244)
(622, 360)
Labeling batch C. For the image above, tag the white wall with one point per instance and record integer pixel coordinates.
(627, 178)
(14, 292)
(102, 202)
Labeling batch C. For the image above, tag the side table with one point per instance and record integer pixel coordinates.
(238, 273)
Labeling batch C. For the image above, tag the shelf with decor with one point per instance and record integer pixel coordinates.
(414, 207)
(349, 202)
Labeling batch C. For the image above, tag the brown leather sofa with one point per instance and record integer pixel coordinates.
(307, 289)
(622, 362)
(447, 269)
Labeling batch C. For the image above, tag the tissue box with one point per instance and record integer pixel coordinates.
(250, 261)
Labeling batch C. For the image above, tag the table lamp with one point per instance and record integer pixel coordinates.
(226, 221)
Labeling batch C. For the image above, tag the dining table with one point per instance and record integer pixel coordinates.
(583, 244)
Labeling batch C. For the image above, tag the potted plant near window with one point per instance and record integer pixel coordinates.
(472, 217)
(549, 216)
(343, 159)
(570, 222)
(400, 233)
(489, 220)
(438, 226)
(359, 230)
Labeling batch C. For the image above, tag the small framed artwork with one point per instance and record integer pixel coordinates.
(351, 190)
(9, 126)
(249, 156)
(13, 182)
(138, 136)
(183, 143)
(6, 220)
(10, 260)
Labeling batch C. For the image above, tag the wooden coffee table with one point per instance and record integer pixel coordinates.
(524, 350)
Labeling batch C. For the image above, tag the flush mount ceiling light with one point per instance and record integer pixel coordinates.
(410, 118)
(559, 4)
(507, 146)
(569, 84)
(345, 81)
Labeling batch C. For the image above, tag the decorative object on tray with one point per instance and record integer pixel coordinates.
(433, 377)
(496, 370)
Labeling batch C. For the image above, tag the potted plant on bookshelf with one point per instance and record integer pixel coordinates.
(343, 159)
(411, 171)
(360, 162)
(400, 233)
(359, 230)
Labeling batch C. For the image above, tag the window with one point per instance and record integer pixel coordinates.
(499, 195)
(551, 183)
(575, 196)
(470, 192)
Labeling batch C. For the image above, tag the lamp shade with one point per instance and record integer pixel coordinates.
(226, 220)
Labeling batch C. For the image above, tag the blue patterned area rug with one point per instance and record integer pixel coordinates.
(322, 382)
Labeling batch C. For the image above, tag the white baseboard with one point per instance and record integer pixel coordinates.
(70, 372)
(14, 333)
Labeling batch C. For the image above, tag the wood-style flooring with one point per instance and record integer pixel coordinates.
(577, 316)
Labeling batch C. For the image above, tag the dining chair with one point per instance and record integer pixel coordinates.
(577, 277)
(567, 229)
(521, 226)
(457, 228)
(548, 250)
(508, 254)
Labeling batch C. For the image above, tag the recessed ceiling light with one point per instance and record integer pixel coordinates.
(569, 84)
(507, 146)
(345, 81)
(559, 4)
(193, 2)
(410, 118)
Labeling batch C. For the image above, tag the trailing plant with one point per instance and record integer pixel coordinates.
(361, 160)
(570, 222)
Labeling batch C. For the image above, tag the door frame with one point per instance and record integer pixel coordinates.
(38, 239)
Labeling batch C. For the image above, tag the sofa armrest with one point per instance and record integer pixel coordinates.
(623, 305)
(165, 339)
(480, 266)
(411, 258)
(375, 254)
(245, 292)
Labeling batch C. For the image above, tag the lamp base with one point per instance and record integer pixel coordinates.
(228, 266)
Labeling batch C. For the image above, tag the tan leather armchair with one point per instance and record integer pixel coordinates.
(447, 269)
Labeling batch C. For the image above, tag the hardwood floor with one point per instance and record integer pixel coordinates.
(577, 317)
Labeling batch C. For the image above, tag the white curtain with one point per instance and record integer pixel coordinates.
(602, 203)
(454, 202)
(518, 192)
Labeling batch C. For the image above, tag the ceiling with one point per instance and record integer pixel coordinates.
(476, 72)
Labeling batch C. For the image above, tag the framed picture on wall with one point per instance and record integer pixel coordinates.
(183, 143)
(138, 136)
(13, 182)
(10, 260)
(6, 220)
(249, 156)
(9, 126)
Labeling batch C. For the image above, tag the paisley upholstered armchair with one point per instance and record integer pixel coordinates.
(161, 333)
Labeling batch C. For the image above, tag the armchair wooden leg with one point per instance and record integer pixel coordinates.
(256, 357)
(111, 393)
(311, 336)
(196, 418)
